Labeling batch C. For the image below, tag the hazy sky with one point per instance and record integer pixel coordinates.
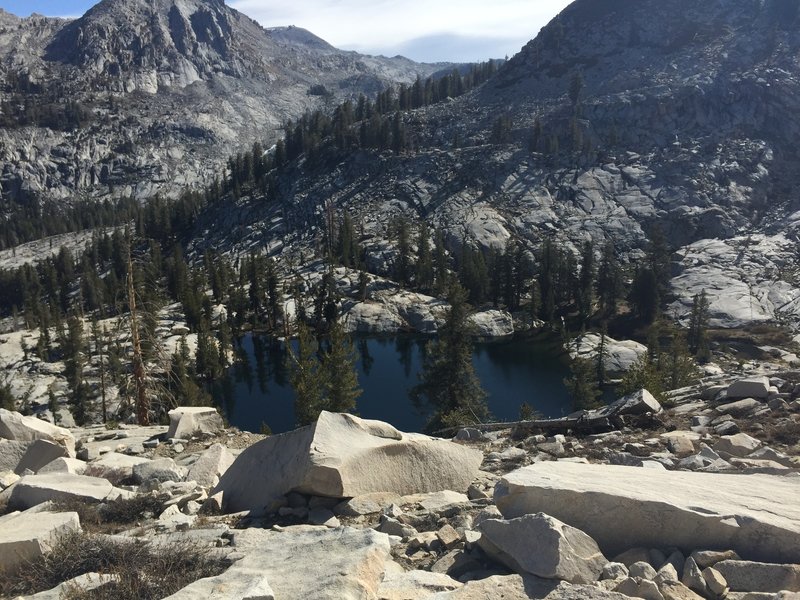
(425, 30)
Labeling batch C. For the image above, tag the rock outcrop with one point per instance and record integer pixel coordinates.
(618, 355)
(210, 465)
(540, 545)
(744, 576)
(303, 562)
(16, 427)
(344, 456)
(625, 507)
(186, 421)
(29, 535)
(165, 91)
(36, 489)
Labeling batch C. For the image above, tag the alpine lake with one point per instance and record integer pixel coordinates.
(256, 394)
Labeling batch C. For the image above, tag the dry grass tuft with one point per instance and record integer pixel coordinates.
(783, 432)
(114, 516)
(145, 571)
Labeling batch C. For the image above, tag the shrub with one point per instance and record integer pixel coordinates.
(112, 516)
(784, 432)
(145, 571)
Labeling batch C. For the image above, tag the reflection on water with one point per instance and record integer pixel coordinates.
(257, 391)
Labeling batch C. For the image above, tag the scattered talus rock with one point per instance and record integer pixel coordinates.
(739, 444)
(415, 585)
(64, 465)
(160, 469)
(11, 454)
(300, 563)
(88, 583)
(16, 427)
(744, 576)
(639, 402)
(186, 421)
(751, 387)
(22, 456)
(114, 466)
(624, 507)
(35, 489)
(210, 465)
(343, 456)
(39, 454)
(27, 536)
(516, 587)
(543, 546)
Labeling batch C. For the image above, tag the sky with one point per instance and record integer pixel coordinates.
(423, 30)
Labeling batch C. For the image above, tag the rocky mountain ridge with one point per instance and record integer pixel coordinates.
(682, 118)
(168, 90)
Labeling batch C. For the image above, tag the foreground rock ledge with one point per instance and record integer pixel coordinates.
(299, 563)
(758, 516)
(342, 456)
(27, 536)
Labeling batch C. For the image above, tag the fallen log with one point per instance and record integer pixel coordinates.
(582, 423)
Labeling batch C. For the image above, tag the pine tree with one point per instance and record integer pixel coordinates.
(576, 89)
(73, 346)
(658, 371)
(698, 327)
(52, 405)
(363, 284)
(609, 281)
(659, 259)
(7, 400)
(643, 374)
(325, 303)
(256, 290)
(274, 295)
(441, 273)
(424, 267)
(207, 362)
(473, 273)
(339, 372)
(586, 282)
(345, 244)
(99, 339)
(601, 357)
(644, 295)
(448, 383)
(185, 391)
(403, 263)
(679, 368)
(582, 384)
(306, 377)
(548, 273)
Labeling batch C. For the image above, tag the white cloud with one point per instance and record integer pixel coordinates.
(391, 27)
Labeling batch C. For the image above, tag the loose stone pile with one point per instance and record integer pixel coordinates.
(351, 508)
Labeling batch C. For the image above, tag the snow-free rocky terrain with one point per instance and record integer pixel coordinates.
(696, 501)
(172, 89)
(686, 120)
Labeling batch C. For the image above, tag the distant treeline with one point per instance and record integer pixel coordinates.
(376, 125)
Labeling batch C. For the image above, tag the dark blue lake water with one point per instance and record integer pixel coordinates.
(512, 372)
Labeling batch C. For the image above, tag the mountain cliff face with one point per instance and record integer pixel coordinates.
(149, 96)
(620, 116)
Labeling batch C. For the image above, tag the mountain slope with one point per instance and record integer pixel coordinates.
(686, 120)
(165, 91)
